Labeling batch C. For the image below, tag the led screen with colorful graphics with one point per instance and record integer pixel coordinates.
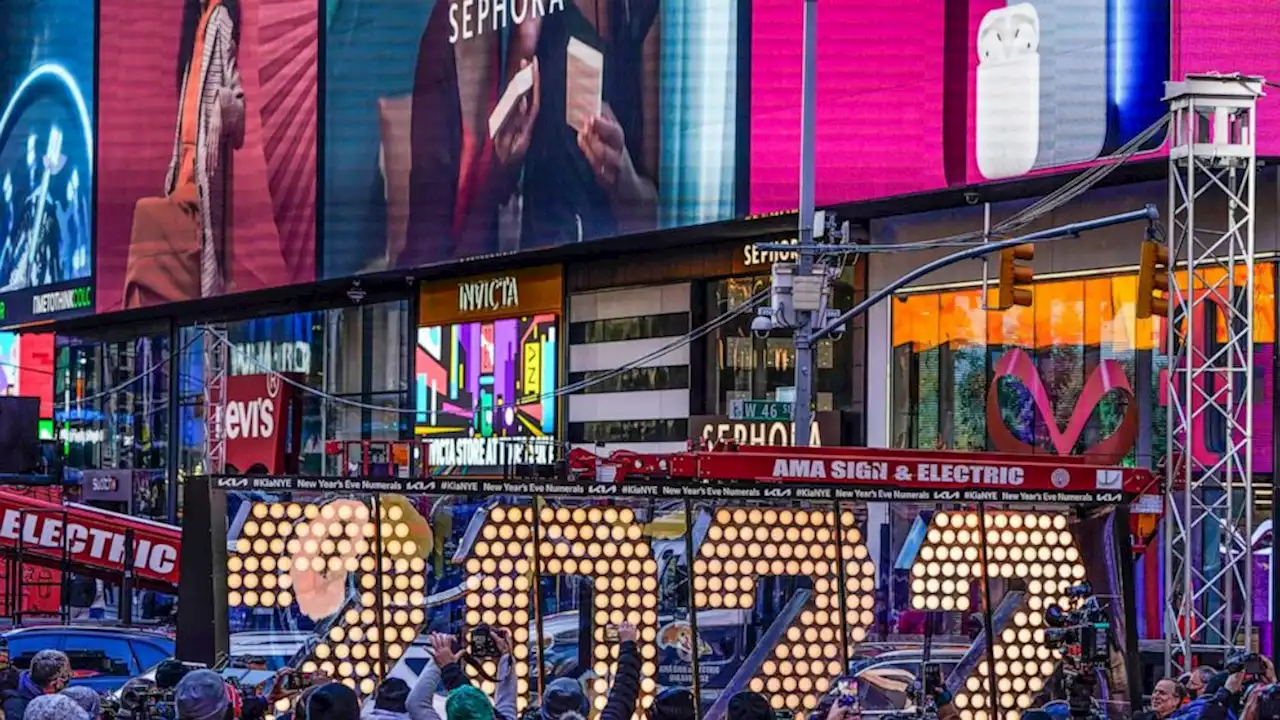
(46, 158)
(918, 97)
(486, 391)
(208, 152)
(456, 128)
(1067, 376)
(26, 369)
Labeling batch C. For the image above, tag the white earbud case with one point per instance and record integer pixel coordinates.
(1007, 106)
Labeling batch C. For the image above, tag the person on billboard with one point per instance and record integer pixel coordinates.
(588, 172)
(176, 249)
(560, 126)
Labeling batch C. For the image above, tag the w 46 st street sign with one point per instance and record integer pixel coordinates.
(761, 410)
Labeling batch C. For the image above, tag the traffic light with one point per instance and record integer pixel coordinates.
(1153, 277)
(1014, 276)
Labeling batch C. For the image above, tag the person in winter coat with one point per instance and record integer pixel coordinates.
(390, 702)
(50, 672)
(626, 682)
(444, 667)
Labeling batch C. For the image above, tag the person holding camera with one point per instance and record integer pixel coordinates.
(50, 672)
(1232, 688)
(465, 702)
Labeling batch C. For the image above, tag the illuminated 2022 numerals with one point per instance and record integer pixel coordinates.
(602, 543)
(744, 544)
(1038, 549)
(308, 553)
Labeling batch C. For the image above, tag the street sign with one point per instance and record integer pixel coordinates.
(761, 410)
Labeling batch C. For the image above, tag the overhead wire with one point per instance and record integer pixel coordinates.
(1052, 201)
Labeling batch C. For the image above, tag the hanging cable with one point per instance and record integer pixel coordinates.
(117, 388)
(702, 331)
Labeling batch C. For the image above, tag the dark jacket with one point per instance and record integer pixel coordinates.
(626, 685)
(15, 701)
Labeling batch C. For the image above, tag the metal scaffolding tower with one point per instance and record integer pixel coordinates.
(215, 398)
(1209, 519)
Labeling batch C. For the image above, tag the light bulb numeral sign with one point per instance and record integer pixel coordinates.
(1036, 548)
(601, 543)
(310, 554)
(745, 544)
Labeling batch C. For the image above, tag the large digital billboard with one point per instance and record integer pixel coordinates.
(208, 153)
(486, 391)
(46, 158)
(460, 128)
(918, 97)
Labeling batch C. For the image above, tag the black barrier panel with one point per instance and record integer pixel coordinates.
(781, 596)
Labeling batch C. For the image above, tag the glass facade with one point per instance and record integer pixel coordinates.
(1074, 374)
(345, 371)
(742, 366)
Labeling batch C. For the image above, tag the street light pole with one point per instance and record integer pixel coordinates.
(805, 260)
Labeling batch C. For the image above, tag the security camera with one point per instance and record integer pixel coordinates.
(762, 324)
(356, 294)
(972, 198)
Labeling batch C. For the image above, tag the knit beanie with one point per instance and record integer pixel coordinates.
(202, 695)
(749, 706)
(468, 703)
(674, 703)
(562, 698)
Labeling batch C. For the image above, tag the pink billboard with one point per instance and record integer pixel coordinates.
(918, 97)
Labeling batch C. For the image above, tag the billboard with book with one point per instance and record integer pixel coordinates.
(464, 128)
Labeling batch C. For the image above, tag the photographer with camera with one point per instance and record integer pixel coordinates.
(1231, 688)
(50, 672)
(465, 702)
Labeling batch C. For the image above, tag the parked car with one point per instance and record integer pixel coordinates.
(102, 658)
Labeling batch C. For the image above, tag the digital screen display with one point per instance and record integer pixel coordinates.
(456, 129)
(486, 391)
(46, 158)
(208, 153)
(26, 369)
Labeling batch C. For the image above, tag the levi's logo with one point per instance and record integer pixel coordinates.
(1107, 377)
(254, 419)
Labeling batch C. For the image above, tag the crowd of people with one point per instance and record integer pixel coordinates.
(1246, 690)
(1239, 692)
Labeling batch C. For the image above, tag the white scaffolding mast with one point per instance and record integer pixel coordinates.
(1212, 171)
(215, 399)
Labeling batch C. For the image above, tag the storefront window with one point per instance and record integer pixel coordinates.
(320, 377)
(111, 412)
(746, 367)
(1074, 374)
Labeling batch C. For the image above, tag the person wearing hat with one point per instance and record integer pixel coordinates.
(202, 695)
(749, 706)
(673, 703)
(55, 707)
(87, 699)
(390, 702)
(327, 701)
(50, 671)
